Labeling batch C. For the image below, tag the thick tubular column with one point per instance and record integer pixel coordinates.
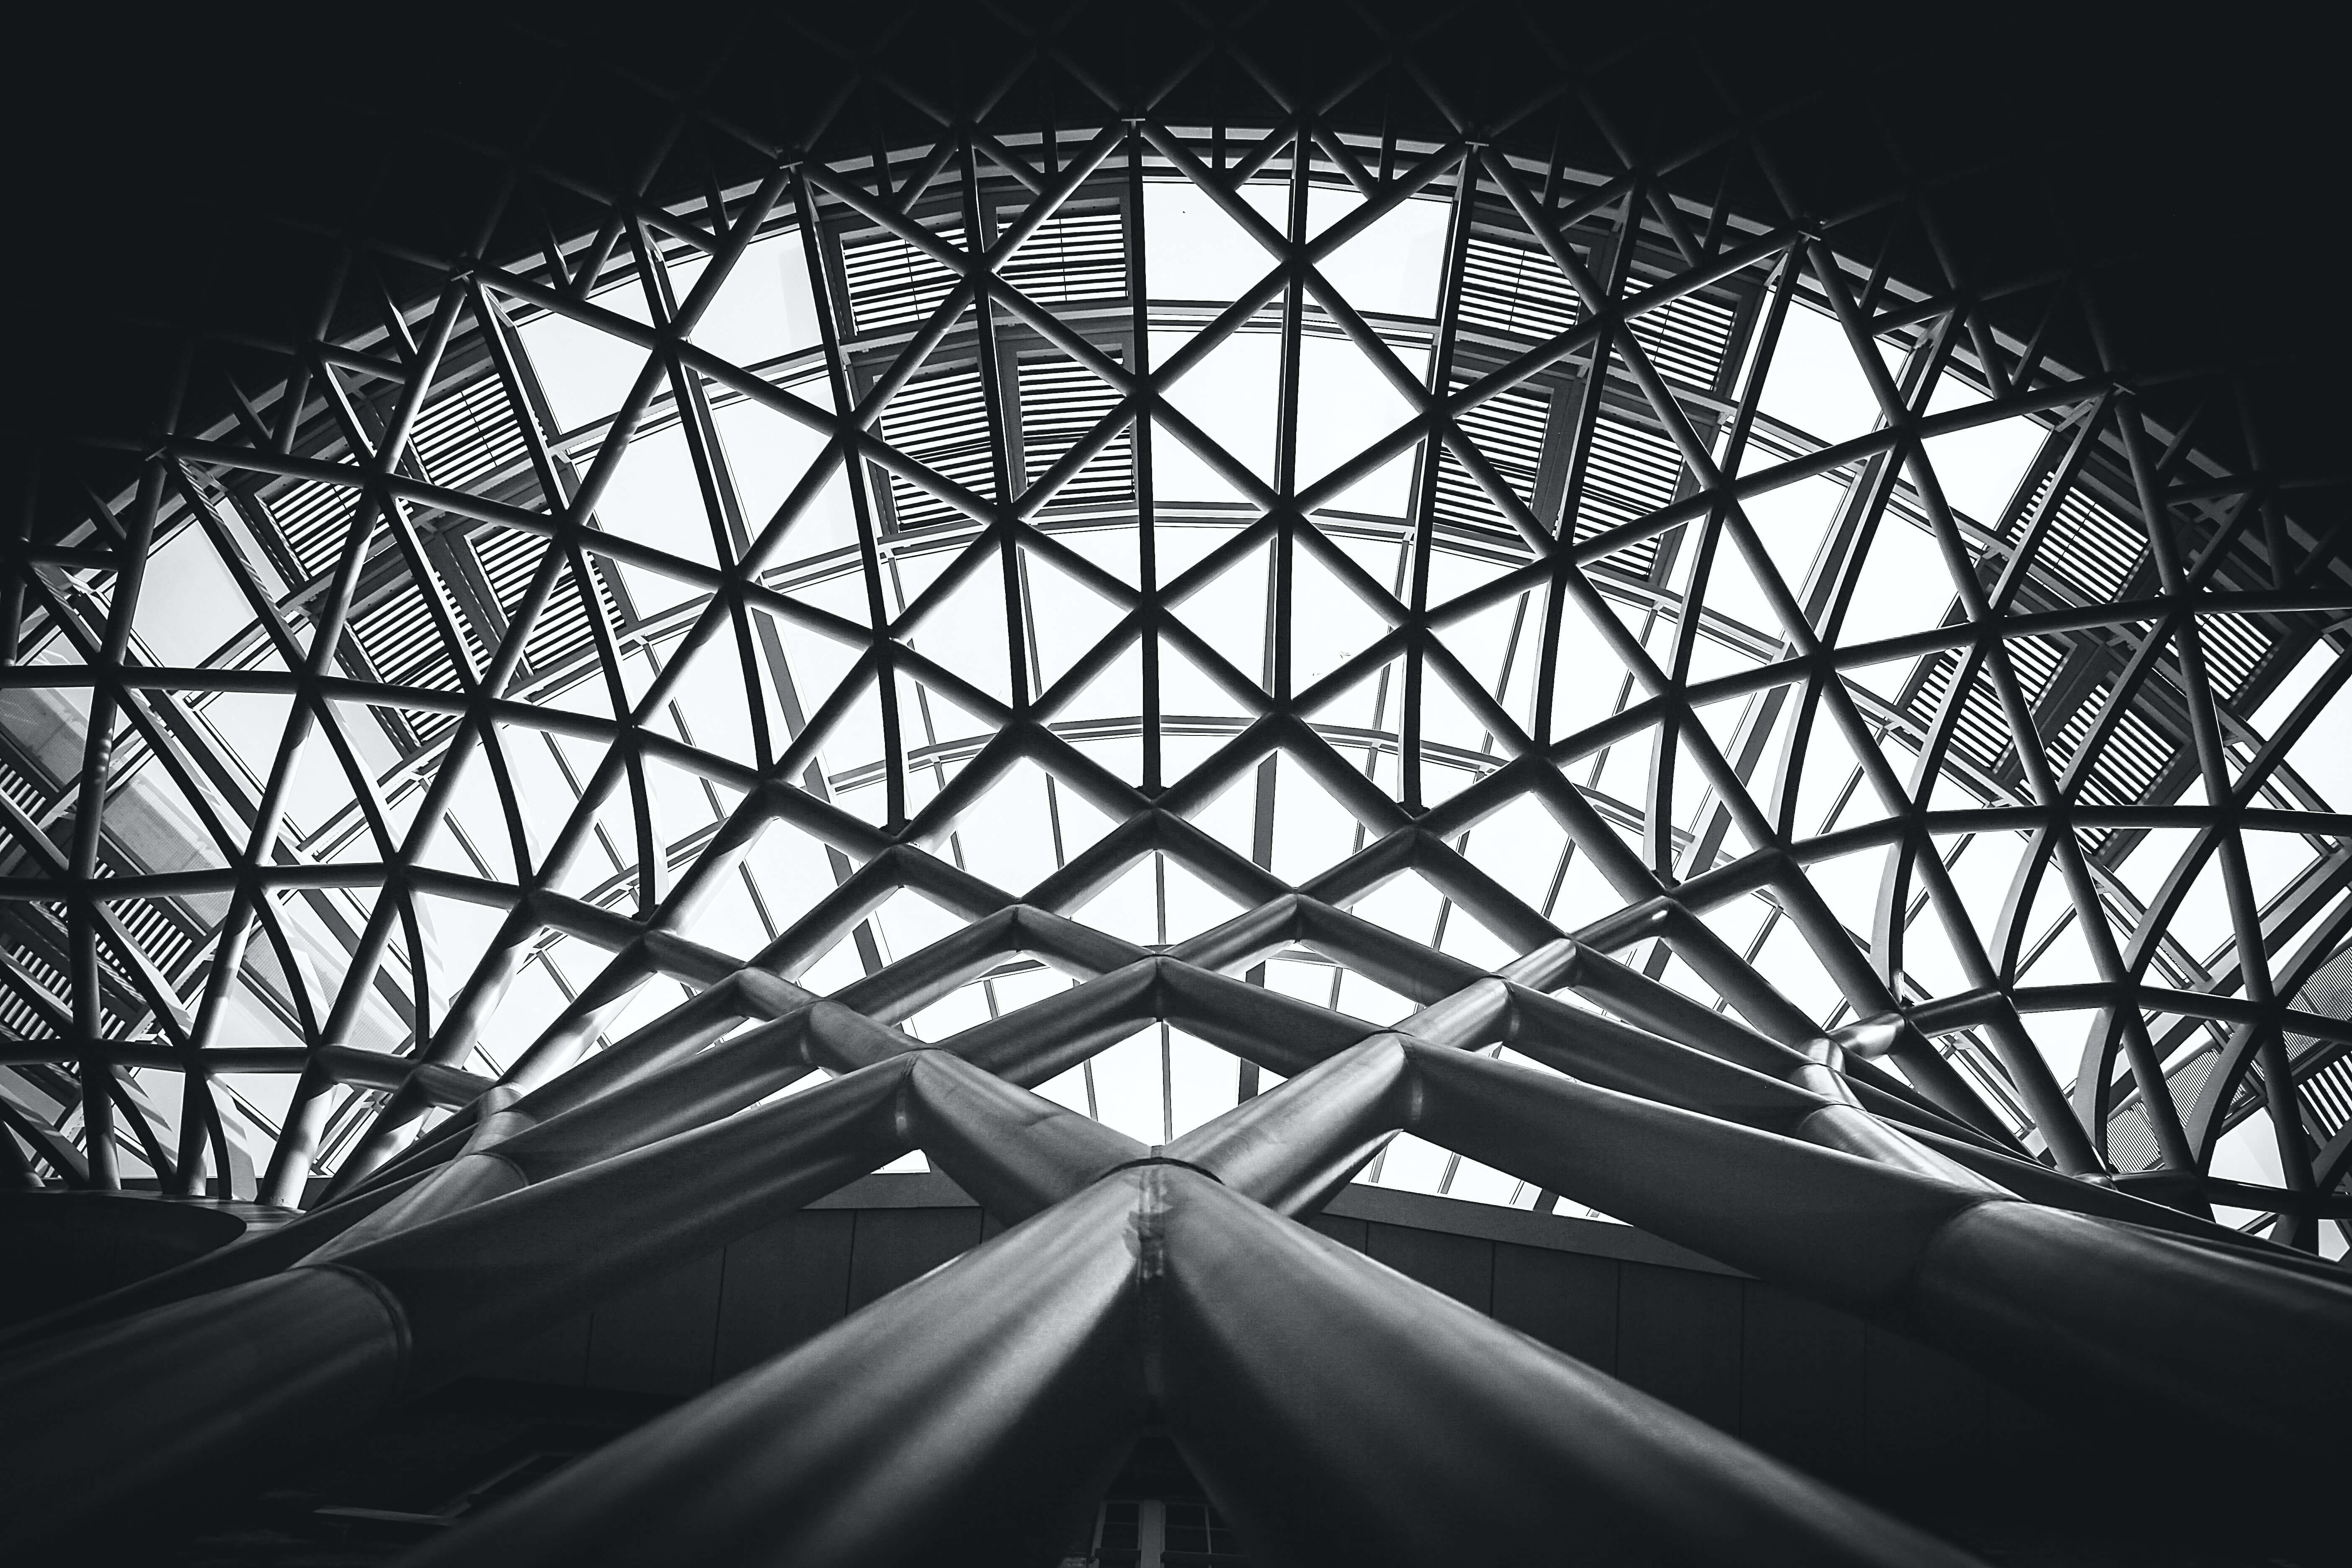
(959, 1419)
(319, 1347)
(692, 1093)
(675, 1036)
(1339, 1413)
(474, 1176)
(250, 1256)
(1011, 1149)
(2098, 1309)
(1293, 1149)
(560, 1126)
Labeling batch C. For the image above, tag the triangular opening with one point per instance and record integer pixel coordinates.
(1903, 587)
(765, 309)
(1067, 619)
(940, 736)
(189, 604)
(1589, 680)
(776, 461)
(1848, 884)
(1024, 826)
(1329, 621)
(1158, 902)
(584, 369)
(654, 498)
(1390, 267)
(1519, 846)
(2060, 1037)
(1195, 251)
(1737, 591)
(1228, 612)
(1372, 702)
(963, 630)
(1180, 544)
(1814, 383)
(1229, 395)
(1312, 830)
(906, 922)
(1978, 468)
(1499, 645)
(1623, 782)
(1189, 691)
(1355, 404)
(1790, 520)
(606, 867)
(1101, 717)
(1186, 477)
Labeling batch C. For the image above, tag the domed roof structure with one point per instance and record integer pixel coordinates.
(1166, 620)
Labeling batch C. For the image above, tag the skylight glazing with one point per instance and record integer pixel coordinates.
(1137, 521)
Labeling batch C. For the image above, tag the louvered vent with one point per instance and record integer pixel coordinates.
(891, 283)
(1508, 431)
(561, 636)
(1686, 339)
(29, 796)
(2327, 1098)
(463, 437)
(1515, 289)
(2234, 648)
(1073, 256)
(1980, 734)
(942, 422)
(2087, 546)
(1630, 472)
(160, 937)
(19, 1015)
(1061, 403)
(2125, 774)
(314, 520)
(406, 649)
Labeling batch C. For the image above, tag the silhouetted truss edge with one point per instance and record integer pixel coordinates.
(1683, 1115)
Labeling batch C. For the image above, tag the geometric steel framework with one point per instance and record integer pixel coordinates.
(1001, 619)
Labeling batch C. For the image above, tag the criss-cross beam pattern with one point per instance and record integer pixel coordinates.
(1304, 483)
(976, 1408)
(1147, 606)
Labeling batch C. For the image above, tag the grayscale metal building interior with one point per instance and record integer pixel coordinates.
(1108, 786)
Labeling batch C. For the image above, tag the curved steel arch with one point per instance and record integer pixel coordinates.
(1770, 262)
(1968, 1108)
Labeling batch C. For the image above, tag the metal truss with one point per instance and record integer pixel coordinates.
(978, 1405)
(430, 583)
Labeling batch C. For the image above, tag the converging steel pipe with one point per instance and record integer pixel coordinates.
(970, 1415)
(961, 1418)
(2036, 1298)
(98, 1417)
(396, 1311)
(1339, 1413)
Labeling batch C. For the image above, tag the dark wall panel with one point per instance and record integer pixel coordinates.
(1678, 1338)
(783, 1285)
(1564, 1299)
(656, 1339)
(1924, 1408)
(894, 1245)
(1339, 1228)
(1843, 1400)
(1802, 1380)
(557, 1355)
(1461, 1266)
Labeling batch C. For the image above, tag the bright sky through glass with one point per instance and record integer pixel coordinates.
(687, 494)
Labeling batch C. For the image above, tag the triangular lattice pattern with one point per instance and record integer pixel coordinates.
(1155, 515)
